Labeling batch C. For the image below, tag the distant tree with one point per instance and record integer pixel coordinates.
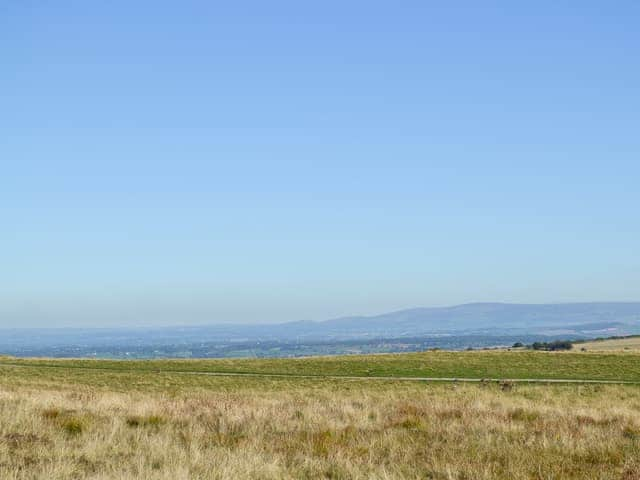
(553, 346)
(518, 345)
(561, 345)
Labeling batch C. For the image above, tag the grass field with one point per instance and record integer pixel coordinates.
(474, 364)
(614, 345)
(73, 419)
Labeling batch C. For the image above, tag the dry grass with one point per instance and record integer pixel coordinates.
(631, 344)
(215, 428)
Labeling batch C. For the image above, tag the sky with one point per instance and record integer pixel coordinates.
(174, 163)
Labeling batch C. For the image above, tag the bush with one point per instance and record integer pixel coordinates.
(553, 346)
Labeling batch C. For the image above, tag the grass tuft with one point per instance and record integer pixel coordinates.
(51, 413)
(631, 432)
(523, 415)
(144, 421)
(73, 426)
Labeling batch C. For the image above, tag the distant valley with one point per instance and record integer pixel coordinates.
(477, 325)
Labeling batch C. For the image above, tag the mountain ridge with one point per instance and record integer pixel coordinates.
(487, 314)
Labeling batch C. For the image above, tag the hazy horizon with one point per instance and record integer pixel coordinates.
(215, 322)
(192, 163)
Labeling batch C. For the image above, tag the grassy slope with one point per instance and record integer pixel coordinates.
(478, 364)
(619, 344)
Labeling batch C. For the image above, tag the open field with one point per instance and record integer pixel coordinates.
(118, 420)
(612, 345)
(476, 364)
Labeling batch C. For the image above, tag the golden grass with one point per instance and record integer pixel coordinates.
(616, 345)
(96, 425)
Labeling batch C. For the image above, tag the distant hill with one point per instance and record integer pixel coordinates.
(571, 320)
(490, 316)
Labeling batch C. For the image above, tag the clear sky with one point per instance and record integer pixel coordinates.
(182, 162)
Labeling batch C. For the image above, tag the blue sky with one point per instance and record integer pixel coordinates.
(196, 162)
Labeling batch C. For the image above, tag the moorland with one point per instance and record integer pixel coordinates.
(346, 417)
